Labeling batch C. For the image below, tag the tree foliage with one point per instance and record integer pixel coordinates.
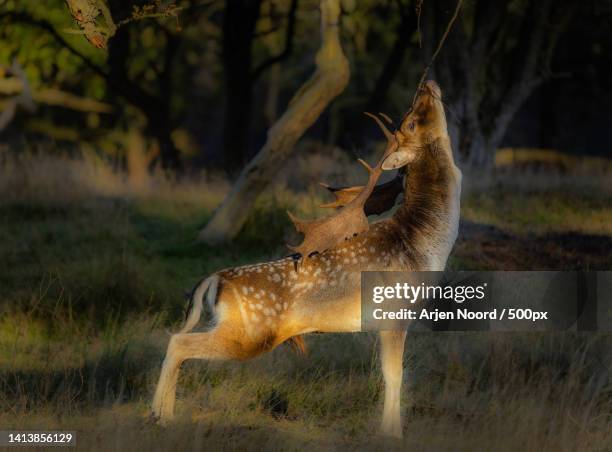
(205, 78)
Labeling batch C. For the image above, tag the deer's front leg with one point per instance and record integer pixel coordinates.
(392, 352)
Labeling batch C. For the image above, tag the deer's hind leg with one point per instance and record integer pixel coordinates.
(392, 353)
(212, 345)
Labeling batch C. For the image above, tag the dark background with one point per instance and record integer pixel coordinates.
(221, 72)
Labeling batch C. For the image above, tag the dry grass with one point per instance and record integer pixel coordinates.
(540, 201)
(550, 158)
(94, 275)
(463, 392)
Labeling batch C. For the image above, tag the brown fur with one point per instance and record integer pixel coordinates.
(257, 307)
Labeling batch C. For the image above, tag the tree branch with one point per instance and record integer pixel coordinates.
(85, 13)
(449, 26)
(46, 26)
(128, 90)
(288, 44)
(535, 68)
(54, 96)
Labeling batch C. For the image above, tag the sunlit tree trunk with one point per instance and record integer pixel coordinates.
(328, 81)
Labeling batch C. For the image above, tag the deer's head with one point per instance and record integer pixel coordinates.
(424, 124)
(421, 130)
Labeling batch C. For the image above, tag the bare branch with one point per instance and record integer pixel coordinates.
(288, 43)
(449, 26)
(87, 13)
(54, 96)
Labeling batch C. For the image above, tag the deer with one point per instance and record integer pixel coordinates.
(257, 307)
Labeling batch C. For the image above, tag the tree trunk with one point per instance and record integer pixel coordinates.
(474, 143)
(137, 162)
(237, 125)
(239, 21)
(169, 154)
(328, 81)
(270, 106)
(156, 108)
(481, 152)
(482, 112)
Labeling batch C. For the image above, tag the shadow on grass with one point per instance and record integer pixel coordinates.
(486, 247)
(114, 377)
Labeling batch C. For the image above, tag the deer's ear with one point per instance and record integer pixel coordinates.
(399, 158)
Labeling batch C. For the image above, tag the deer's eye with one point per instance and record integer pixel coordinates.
(411, 126)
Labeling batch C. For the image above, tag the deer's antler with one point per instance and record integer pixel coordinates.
(381, 199)
(343, 195)
(350, 219)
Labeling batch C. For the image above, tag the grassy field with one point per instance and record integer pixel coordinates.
(93, 280)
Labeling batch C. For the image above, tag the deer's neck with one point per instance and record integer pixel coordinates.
(428, 220)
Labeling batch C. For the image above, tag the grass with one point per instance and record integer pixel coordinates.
(94, 275)
(541, 212)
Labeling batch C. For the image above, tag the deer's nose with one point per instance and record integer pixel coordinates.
(433, 88)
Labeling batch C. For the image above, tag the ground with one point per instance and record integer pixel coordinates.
(94, 277)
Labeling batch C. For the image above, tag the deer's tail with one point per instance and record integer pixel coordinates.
(206, 287)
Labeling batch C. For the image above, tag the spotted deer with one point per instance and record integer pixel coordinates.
(257, 307)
